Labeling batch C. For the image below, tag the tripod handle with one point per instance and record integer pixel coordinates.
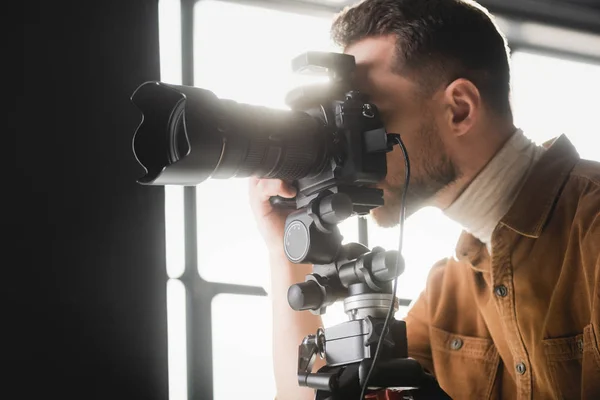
(283, 202)
(326, 381)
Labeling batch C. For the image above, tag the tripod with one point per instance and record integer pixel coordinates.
(362, 279)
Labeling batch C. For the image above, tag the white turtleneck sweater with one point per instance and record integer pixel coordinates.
(490, 195)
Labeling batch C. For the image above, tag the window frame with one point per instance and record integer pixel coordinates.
(200, 292)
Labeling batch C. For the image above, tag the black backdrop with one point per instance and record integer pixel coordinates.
(84, 309)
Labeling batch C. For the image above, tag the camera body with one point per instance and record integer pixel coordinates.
(356, 140)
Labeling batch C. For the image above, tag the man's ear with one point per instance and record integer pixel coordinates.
(463, 105)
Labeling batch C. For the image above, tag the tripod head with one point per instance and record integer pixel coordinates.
(362, 279)
(341, 272)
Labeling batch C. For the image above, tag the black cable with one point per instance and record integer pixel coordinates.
(398, 261)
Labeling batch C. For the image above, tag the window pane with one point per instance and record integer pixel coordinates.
(251, 65)
(552, 96)
(243, 367)
(174, 231)
(169, 29)
(177, 340)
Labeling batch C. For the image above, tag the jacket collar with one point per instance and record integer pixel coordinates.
(530, 211)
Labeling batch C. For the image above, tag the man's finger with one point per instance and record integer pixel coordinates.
(274, 187)
(287, 190)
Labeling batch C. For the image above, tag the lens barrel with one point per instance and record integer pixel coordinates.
(188, 135)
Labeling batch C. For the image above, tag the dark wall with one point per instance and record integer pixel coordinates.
(85, 315)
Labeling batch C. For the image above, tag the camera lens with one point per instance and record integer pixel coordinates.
(188, 135)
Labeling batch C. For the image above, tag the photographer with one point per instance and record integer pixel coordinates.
(515, 314)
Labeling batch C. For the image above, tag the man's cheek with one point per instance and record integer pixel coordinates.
(394, 177)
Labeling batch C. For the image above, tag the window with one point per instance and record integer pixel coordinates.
(429, 236)
(243, 52)
(246, 357)
(553, 96)
(249, 64)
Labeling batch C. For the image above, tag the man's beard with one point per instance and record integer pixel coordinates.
(431, 171)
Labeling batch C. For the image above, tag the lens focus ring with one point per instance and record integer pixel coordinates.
(296, 162)
(254, 157)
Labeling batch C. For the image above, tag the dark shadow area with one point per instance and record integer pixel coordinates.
(86, 264)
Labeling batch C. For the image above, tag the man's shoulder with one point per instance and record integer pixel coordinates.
(586, 177)
(437, 269)
(583, 191)
(587, 170)
(446, 269)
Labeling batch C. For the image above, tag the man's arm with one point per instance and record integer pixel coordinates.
(417, 333)
(593, 250)
(417, 327)
(289, 328)
(590, 249)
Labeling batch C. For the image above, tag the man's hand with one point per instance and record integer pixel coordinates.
(270, 220)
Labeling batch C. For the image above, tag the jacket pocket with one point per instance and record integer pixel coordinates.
(574, 365)
(465, 366)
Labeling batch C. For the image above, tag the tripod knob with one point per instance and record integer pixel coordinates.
(335, 208)
(386, 266)
(305, 296)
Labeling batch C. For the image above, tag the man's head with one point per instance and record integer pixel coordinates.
(438, 71)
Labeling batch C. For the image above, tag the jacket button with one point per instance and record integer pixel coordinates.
(580, 345)
(521, 368)
(501, 291)
(456, 344)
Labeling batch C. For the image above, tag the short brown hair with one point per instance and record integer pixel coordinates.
(438, 41)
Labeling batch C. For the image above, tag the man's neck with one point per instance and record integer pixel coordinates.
(474, 154)
(483, 202)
